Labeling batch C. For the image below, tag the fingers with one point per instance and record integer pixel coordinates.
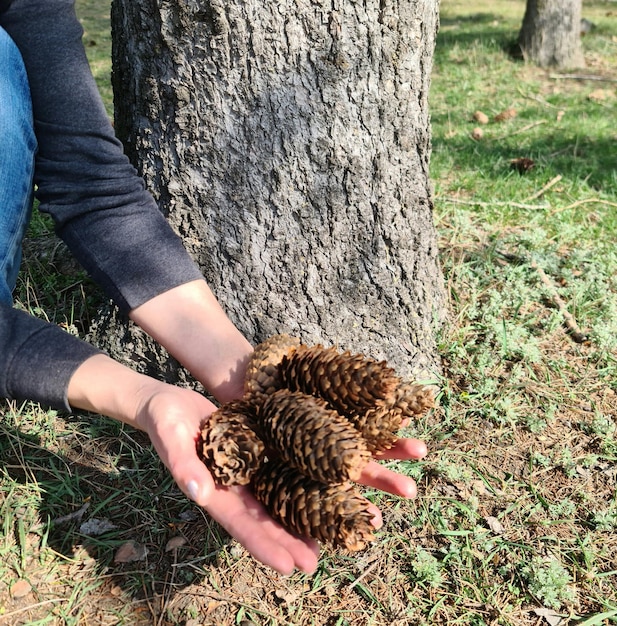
(377, 520)
(181, 459)
(405, 449)
(380, 477)
(245, 519)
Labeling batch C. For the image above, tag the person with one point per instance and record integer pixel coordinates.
(56, 137)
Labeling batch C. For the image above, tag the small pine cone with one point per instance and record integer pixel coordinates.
(414, 400)
(262, 373)
(349, 383)
(379, 426)
(229, 445)
(314, 439)
(335, 514)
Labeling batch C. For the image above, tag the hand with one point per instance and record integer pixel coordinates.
(173, 419)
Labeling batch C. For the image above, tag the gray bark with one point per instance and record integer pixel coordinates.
(551, 33)
(288, 143)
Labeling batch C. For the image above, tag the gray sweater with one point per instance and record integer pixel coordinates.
(95, 197)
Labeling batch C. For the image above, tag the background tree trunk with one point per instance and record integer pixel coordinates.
(288, 143)
(551, 33)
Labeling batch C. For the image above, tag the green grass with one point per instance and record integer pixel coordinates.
(517, 509)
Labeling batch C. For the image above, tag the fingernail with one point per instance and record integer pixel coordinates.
(193, 489)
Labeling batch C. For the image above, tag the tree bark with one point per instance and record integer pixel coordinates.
(551, 33)
(288, 144)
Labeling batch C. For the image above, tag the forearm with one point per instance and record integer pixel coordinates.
(190, 323)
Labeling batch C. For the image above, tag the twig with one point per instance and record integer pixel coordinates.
(544, 189)
(573, 328)
(537, 99)
(519, 131)
(580, 203)
(167, 589)
(364, 574)
(583, 77)
(517, 205)
(30, 607)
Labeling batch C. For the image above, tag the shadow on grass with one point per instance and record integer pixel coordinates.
(590, 160)
(474, 18)
(113, 477)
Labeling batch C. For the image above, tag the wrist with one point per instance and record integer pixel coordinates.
(101, 385)
(190, 323)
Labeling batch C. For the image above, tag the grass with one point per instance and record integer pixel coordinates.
(516, 518)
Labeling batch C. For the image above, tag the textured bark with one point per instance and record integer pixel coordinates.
(288, 143)
(551, 33)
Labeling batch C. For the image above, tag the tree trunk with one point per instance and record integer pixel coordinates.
(288, 143)
(551, 33)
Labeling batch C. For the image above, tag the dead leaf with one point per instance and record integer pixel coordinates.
(554, 619)
(479, 487)
(508, 114)
(286, 595)
(495, 525)
(600, 95)
(75, 515)
(175, 542)
(130, 551)
(20, 588)
(189, 516)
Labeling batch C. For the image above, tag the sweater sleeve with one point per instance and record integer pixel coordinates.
(38, 359)
(83, 179)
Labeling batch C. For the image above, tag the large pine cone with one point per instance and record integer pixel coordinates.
(350, 383)
(229, 445)
(316, 440)
(318, 415)
(335, 514)
(262, 373)
(380, 424)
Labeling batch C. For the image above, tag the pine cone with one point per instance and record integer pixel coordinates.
(414, 400)
(229, 445)
(262, 374)
(335, 514)
(350, 383)
(314, 439)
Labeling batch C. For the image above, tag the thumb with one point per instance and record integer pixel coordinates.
(189, 472)
(193, 478)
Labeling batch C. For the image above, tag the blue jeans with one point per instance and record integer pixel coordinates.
(17, 151)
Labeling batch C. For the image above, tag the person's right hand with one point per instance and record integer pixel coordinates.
(172, 417)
